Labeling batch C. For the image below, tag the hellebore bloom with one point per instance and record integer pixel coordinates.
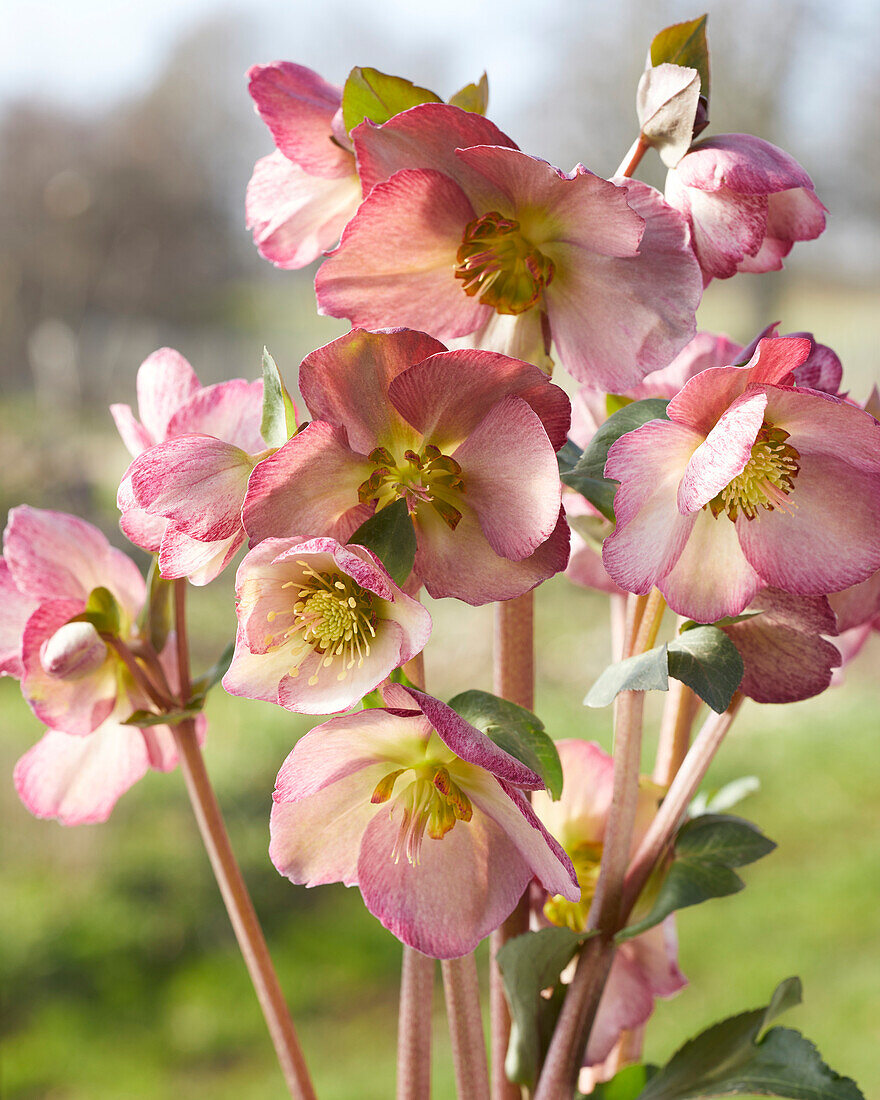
(422, 812)
(751, 482)
(319, 625)
(73, 681)
(645, 967)
(463, 235)
(300, 197)
(747, 202)
(194, 451)
(466, 438)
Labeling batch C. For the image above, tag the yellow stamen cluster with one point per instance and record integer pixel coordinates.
(585, 859)
(427, 477)
(334, 614)
(766, 481)
(496, 261)
(431, 802)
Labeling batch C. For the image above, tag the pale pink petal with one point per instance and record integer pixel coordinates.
(134, 435)
(726, 226)
(745, 164)
(655, 952)
(195, 481)
(650, 533)
(795, 215)
(704, 351)
(78, 779)
(580, 815)
(712, 577)
(448, 395)
(183, 556)
(821, 370)
(856, 605)
(395, 262)
(307, 488)
(256, 675)
(524, 336)
(229, 411)
(775, 360)
(298, 107)
(346, 383)
(702, 400)
(626, 1003)
(295, 216)
(516, 499)
(427, 136)
(17, 609)
(138, 526)
(724, 452)
(819, 423)
(615, 320)
(164, 381)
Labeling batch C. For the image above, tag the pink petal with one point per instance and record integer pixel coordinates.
(726, 226)
(17, 609)
(134, 435)
(395, 262)
(704, 351)
(524, 336)
(856, 605)
(307, 488)
(426, 136)
(626, 1003)
(776, 359)
(183, 556)
(295, 216)
(346, 383)
(742, 163)
(256, 675)
(138, 526)
(229, 411)
(703, 399)
(195, 481)
(449, 394)
(821, 370)
(795, 215)
(650, 533)
(655, 952)
(298, 107)
(78, 779)
(164, 381)
(724, 452)
(615, 320)
(580, 815)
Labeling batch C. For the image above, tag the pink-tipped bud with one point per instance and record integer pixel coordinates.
(73, 651)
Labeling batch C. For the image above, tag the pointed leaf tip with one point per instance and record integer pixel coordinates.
(279, 412)
(390, 534)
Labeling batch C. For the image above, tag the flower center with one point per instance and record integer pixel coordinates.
(429, 477)
(585, 859)
(432, 802)
(334, 615)
(766, 481)
(497, 262)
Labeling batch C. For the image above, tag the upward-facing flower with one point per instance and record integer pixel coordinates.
(422, 812)
(467, 439)
(461, 234)
(751, 482)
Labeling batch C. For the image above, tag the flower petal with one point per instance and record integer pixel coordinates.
(164, 381)
(229, 411)
(17, 609)
(181, 555)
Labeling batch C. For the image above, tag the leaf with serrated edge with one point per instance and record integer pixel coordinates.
(644, 672)
(472, 97)
(704, 854)
(378, 96)
(709, 663)
(516, 730)
(732, 1058)
(279, 414)
(390, 534)
(684, 44)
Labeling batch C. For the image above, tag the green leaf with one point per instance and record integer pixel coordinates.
(390, 534)
(625, 1085)
(473, 97)
(516, 730)
(214, 675)
(733, 1058)
(567, 456)
(378, 97)
(528, 964)
(724, 798)
(728, 620)
(709, 663)
(704, 853)
(154, 621)
(279, 413)
(684, 44)
(101, 610)
(644, 672)
(146, 718)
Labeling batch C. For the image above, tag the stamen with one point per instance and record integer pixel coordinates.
(497, 262)
(766, 481)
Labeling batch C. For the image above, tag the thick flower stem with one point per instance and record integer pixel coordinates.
(466, 1028)
(633, 157)
(241, 913)
(513, 679)
(414, 1026)
(679, 713)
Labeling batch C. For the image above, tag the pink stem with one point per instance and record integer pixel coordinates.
(414, 1026)
(466, 1028)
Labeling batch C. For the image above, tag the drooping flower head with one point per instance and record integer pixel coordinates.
(320, 625)
(466, 438)
(422, 812)
(751, 482)
(463, 235)
(645, 967)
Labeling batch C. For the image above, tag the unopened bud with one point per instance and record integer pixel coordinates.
(73, 651)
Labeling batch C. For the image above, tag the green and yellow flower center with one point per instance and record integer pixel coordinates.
(497, 262)
(428, 477)
(766, 481)
(585, 859)
(431, 802)
(334, 615)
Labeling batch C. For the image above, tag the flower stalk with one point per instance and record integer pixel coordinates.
(466, 1027)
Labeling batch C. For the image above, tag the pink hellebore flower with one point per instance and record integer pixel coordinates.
(422, 812)
(645, 967)
(463, 235)
(750, 482)
(466, 438)
(747, 202)
(300, 197)
(73, 681)
(194, 451)
(320, 625)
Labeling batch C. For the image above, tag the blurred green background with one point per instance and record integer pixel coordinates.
(126, 142)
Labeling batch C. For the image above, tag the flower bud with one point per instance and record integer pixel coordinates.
(73, 651)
